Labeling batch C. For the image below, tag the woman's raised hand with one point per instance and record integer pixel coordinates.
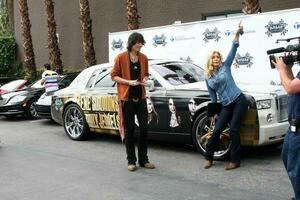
(240, 29)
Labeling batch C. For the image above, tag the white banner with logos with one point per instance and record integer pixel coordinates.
(194, 41)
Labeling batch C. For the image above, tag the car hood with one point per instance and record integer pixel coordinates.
(3, 91)
(12, 94)
(22, 92)
(248, 88)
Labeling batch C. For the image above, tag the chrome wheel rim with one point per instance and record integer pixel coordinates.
(32, 110)
(74, 122)
(224, 145)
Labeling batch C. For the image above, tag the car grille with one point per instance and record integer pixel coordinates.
(282, 106)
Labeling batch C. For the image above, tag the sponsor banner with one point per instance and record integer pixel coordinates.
(193, 42)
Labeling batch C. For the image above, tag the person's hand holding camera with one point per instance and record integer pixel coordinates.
(280, 65)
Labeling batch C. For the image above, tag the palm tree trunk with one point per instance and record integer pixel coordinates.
(54, 51)
(251, 6)
(86, 27)
(132, 15)
(29, 60)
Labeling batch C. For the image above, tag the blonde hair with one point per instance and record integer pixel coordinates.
(209, 69)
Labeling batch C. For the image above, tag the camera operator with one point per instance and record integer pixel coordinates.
(291, 146)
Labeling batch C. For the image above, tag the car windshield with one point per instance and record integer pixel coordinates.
(81, 80)
(37, 84)
(180, 73)
(12, 85)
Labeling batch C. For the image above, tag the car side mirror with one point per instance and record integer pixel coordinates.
(150, 85)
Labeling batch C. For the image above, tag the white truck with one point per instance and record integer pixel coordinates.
(251, 68)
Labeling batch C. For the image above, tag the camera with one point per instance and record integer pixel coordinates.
(292, 53)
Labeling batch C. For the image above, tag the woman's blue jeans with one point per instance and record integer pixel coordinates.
(232, 114)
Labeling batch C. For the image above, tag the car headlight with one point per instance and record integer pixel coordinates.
(16, 99)
(263, 104)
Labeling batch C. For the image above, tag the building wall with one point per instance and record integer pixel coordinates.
(109, 16)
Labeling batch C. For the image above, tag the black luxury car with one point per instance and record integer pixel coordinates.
(22, 102)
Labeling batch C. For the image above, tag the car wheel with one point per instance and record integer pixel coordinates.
(30, 110)
(75, 123)
(200, 137)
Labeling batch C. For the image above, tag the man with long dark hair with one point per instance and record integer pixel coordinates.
(130, 71)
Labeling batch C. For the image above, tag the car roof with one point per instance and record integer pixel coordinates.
(163, 61)
(99, 66)
(151, 61)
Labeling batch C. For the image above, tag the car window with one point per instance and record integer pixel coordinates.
(68, 79)
(180, 73)
(92, 79)
(37, 84)
(104, 80)
(81, 80)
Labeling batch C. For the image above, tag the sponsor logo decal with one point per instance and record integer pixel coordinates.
(103, 120)
(211, 35)
(159, 40)
(243, 60)
(279, 27)
(117, 44)
(101, 111)
(58, 104)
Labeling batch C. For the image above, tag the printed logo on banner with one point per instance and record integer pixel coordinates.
(181, 38)
(243, 60)
(228, 32)
(117, 44)
(159, 40)
(279, 27)
(211, 35)
(187, 59)
(297, 25)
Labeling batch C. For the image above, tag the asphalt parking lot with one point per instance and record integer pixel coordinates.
(38, 161)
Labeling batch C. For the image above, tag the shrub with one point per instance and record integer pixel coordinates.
(7, 55)
(8, 64)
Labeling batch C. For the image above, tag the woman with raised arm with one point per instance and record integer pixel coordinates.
(220, 82)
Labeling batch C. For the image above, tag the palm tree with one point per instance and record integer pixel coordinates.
(251, 6)
(132, 15)
(55, 60)
(86, 27)
(29, 60)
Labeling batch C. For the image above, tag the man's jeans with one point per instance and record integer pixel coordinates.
(291, 159)
(139, 109)
(233, 114)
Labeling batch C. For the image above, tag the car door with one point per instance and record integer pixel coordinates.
(174, 108)
(156, 101)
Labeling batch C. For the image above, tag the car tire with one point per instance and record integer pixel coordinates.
(30, 109)
(74, 123)
(200, 128)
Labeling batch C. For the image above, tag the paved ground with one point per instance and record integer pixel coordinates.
(39, 162)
